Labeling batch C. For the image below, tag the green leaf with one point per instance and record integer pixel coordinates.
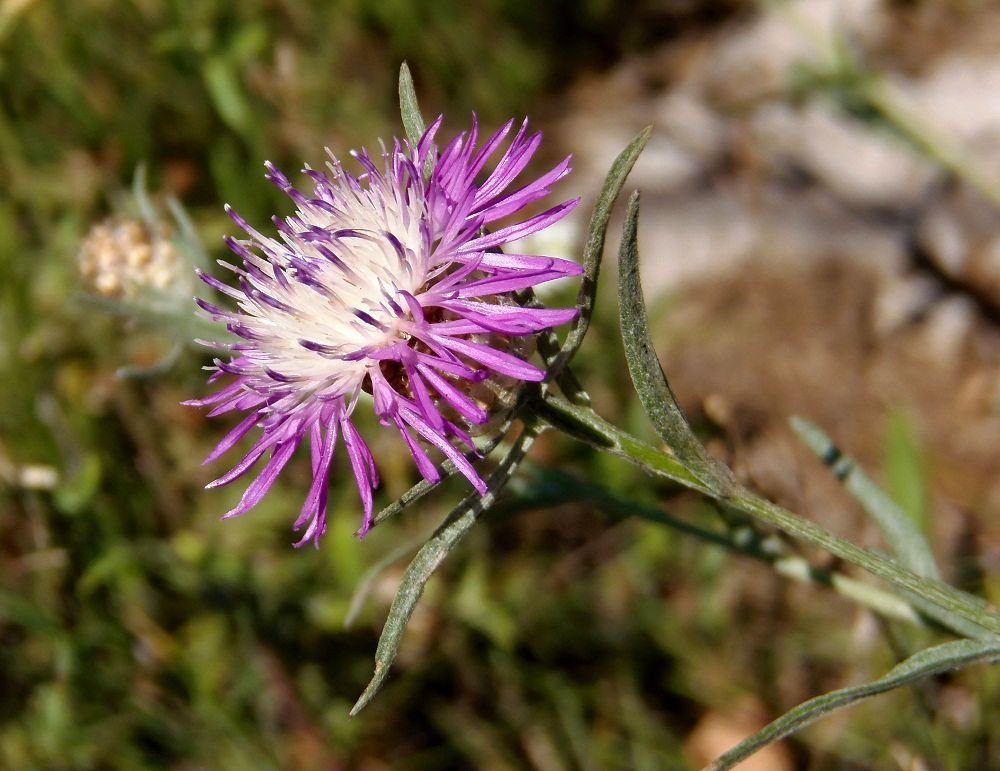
(932, 661)
(77, 492)
(227, 95)
(587, 426)
(367, 582)
(900, 531)
(904, 468)
(643, 365)
(546, 487)
(448, 469)
(409, 108)
(431, 555)
(15, 608)
(146, 209)
(593, 249)
(190, 243)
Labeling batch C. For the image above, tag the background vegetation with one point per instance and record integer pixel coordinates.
(139, 631)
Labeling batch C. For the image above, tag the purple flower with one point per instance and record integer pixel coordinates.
(389, 284)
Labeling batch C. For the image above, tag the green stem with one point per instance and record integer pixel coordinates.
(549, 487)
(887, 100)
(586, 425)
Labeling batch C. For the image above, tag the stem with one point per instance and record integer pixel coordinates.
(586, 425)
(549, 487)
(887, 100)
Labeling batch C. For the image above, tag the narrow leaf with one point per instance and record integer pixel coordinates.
(448, 468)
(904, 468)
(139, 193)
(409, 108)
(191, 242)
(431, 555)
(550, 487)
(593, 249)
(367, 581)
(587, 426)
(548, 349)
(900, 531)
(932, 661)
(227, 94)
(643, 365)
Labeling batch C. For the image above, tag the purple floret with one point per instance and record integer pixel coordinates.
(385, 284)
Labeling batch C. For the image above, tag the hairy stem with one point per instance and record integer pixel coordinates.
(586, 425)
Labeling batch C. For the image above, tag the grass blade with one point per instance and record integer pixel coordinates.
(545, 487)
(901, 532)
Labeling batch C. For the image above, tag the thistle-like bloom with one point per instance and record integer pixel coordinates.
(389, 284)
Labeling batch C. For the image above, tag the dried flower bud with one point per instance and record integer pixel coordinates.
(119, 257)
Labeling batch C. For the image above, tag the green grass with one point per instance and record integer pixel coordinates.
(138, 631)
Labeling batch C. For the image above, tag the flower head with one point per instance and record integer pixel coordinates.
(122, 257)
(386, 283)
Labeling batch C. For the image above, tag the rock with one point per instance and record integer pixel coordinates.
(960, 235)
(757, 61)
(861, 165)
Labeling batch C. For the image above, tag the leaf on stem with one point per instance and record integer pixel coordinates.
(431, 555)
(187, 236)
(548, 349)
(367, 581)
(409, 108)
(900, 531)
(550, 487)
(448, 468)
(141, 197)
(593, 249)
(928, 662)
(587, 426)
(643, 365)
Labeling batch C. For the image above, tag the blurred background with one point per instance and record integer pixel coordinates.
(820, 236)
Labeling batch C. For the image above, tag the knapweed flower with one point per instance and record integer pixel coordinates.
(386, 283)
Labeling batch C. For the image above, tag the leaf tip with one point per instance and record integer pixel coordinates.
(799, 424)
(373, 687)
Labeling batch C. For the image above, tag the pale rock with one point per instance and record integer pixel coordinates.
(757, 61)
(957, 103)
(945, 240)
(958, 96)
(681, 115)
(961, 237)
(861, 166)
(687, 239)
(947, 329)
(901, 300)
(664, 167)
